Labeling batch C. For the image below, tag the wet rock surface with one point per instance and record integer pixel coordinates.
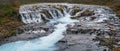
(79, 39)
(93, 32)
(97, 29)
(29, 32)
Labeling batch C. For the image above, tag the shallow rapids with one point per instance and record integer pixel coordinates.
(80, 23)
(46, 43)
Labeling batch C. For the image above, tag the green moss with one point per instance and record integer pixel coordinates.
(9, 20)
(116, 49)
(2, 20)
(13, 32)
(74, 17)
(8, 33)
(87, 13)
(109, 40)
(118, 15)
(6, 10)
(47, 13)
(8, 27)
(75, 11)
(61, 9)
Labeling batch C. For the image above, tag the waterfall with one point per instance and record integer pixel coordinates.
(61, 13)
(46, 43)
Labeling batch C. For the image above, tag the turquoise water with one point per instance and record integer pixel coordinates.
(46, 43)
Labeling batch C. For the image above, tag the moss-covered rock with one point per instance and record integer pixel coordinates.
(116, 49)
(48, 15)
(118, 15)
(74, 17)
(109, 42)
(35, 7)
(60, 8)
(74, 11)
(87, 13)
(8, 27)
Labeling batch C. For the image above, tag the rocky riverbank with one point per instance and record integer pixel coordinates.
(97, 29)
(29, 32)
(90, 34)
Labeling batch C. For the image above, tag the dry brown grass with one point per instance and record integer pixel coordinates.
(8, 27)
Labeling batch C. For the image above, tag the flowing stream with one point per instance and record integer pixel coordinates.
(46, 43)
(59, 15)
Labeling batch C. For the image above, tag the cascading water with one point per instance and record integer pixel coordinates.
(46, 43)
(59, 16)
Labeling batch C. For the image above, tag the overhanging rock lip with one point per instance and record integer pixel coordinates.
(59, 4)
(67, 4)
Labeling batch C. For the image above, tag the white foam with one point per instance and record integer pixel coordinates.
(46, 43)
